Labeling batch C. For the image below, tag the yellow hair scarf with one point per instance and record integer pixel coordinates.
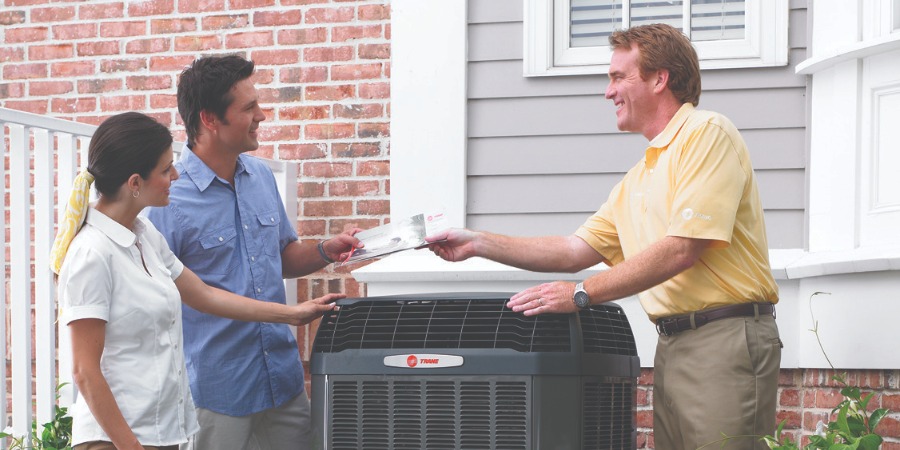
(71, 219)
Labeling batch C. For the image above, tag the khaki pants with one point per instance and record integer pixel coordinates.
(103, 445)
(719, 378)
(284, 427)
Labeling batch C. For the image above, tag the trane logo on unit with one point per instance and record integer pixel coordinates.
(423, 361)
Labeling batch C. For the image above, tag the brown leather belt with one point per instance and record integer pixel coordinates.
(669, 326)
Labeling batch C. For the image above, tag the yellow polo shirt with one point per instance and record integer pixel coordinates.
(695, 181)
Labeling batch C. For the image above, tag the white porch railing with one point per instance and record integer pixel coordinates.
(40, 147)
(44, 144)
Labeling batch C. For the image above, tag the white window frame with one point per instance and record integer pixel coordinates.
(882, 18)
(547, 52)
(894, 16)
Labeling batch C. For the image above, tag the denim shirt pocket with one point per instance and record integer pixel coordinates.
(219, 252)
(269, 226)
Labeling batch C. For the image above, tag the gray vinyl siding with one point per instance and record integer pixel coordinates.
(544, 152)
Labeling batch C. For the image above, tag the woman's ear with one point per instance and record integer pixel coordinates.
(134, 183)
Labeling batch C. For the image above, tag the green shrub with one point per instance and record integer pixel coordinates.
(54, 435)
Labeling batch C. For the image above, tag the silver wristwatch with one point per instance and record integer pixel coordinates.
(581, 298)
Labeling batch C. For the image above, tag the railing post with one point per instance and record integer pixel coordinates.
(44, 284)
(20, 278)
(67, 168)
(286, 179)
(3, 343)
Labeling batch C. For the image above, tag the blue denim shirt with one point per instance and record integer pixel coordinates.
(232, 238)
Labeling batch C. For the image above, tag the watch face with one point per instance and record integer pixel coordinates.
(582, 300)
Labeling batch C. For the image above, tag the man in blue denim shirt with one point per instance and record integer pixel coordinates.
(226, 222)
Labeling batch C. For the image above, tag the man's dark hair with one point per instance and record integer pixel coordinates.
(123, 145)
(663, 47)
(206, 85)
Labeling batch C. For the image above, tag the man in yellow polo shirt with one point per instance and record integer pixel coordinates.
(684, 231)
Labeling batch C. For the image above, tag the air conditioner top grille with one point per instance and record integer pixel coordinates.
(466, 321)
(407, 323)
(605, 329)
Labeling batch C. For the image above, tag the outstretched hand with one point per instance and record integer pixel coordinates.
(454, 244)
(310, 310)
(340, 246)
(553, 297)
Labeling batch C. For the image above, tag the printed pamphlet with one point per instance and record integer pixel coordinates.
(397, 236)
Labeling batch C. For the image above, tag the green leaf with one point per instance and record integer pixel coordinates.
(841, 423)
(870, 442)
(864, 403)
(876, 417)
(816, 439)
(857, 425)
(845, 403)
(851, 392)
(779, 431)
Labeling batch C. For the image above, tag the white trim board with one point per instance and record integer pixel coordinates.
(428, 109)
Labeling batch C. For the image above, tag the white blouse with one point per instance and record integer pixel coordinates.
(104, 278)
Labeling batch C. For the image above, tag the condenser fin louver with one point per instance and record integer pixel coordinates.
(412, 413)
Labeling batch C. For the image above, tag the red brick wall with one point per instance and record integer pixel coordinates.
(323, 72)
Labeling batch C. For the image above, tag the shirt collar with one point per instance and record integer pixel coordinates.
(663, 139)
(114, 230)
(200, 173)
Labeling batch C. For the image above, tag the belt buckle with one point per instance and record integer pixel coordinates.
(661, 328)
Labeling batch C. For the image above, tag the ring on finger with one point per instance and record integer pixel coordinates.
(541, 301)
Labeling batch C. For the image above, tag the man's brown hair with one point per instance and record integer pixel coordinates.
(662, 47)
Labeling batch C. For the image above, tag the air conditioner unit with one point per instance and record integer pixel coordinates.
(462, 371)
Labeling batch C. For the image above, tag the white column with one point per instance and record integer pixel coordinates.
(834, 159)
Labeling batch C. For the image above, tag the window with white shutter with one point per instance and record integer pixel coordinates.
(570, 37)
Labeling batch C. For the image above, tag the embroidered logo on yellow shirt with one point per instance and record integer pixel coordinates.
(689, 214)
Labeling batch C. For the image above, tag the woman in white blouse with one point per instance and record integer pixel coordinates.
(121, 294)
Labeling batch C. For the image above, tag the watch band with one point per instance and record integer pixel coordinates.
(580, 292)
(321, 247)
